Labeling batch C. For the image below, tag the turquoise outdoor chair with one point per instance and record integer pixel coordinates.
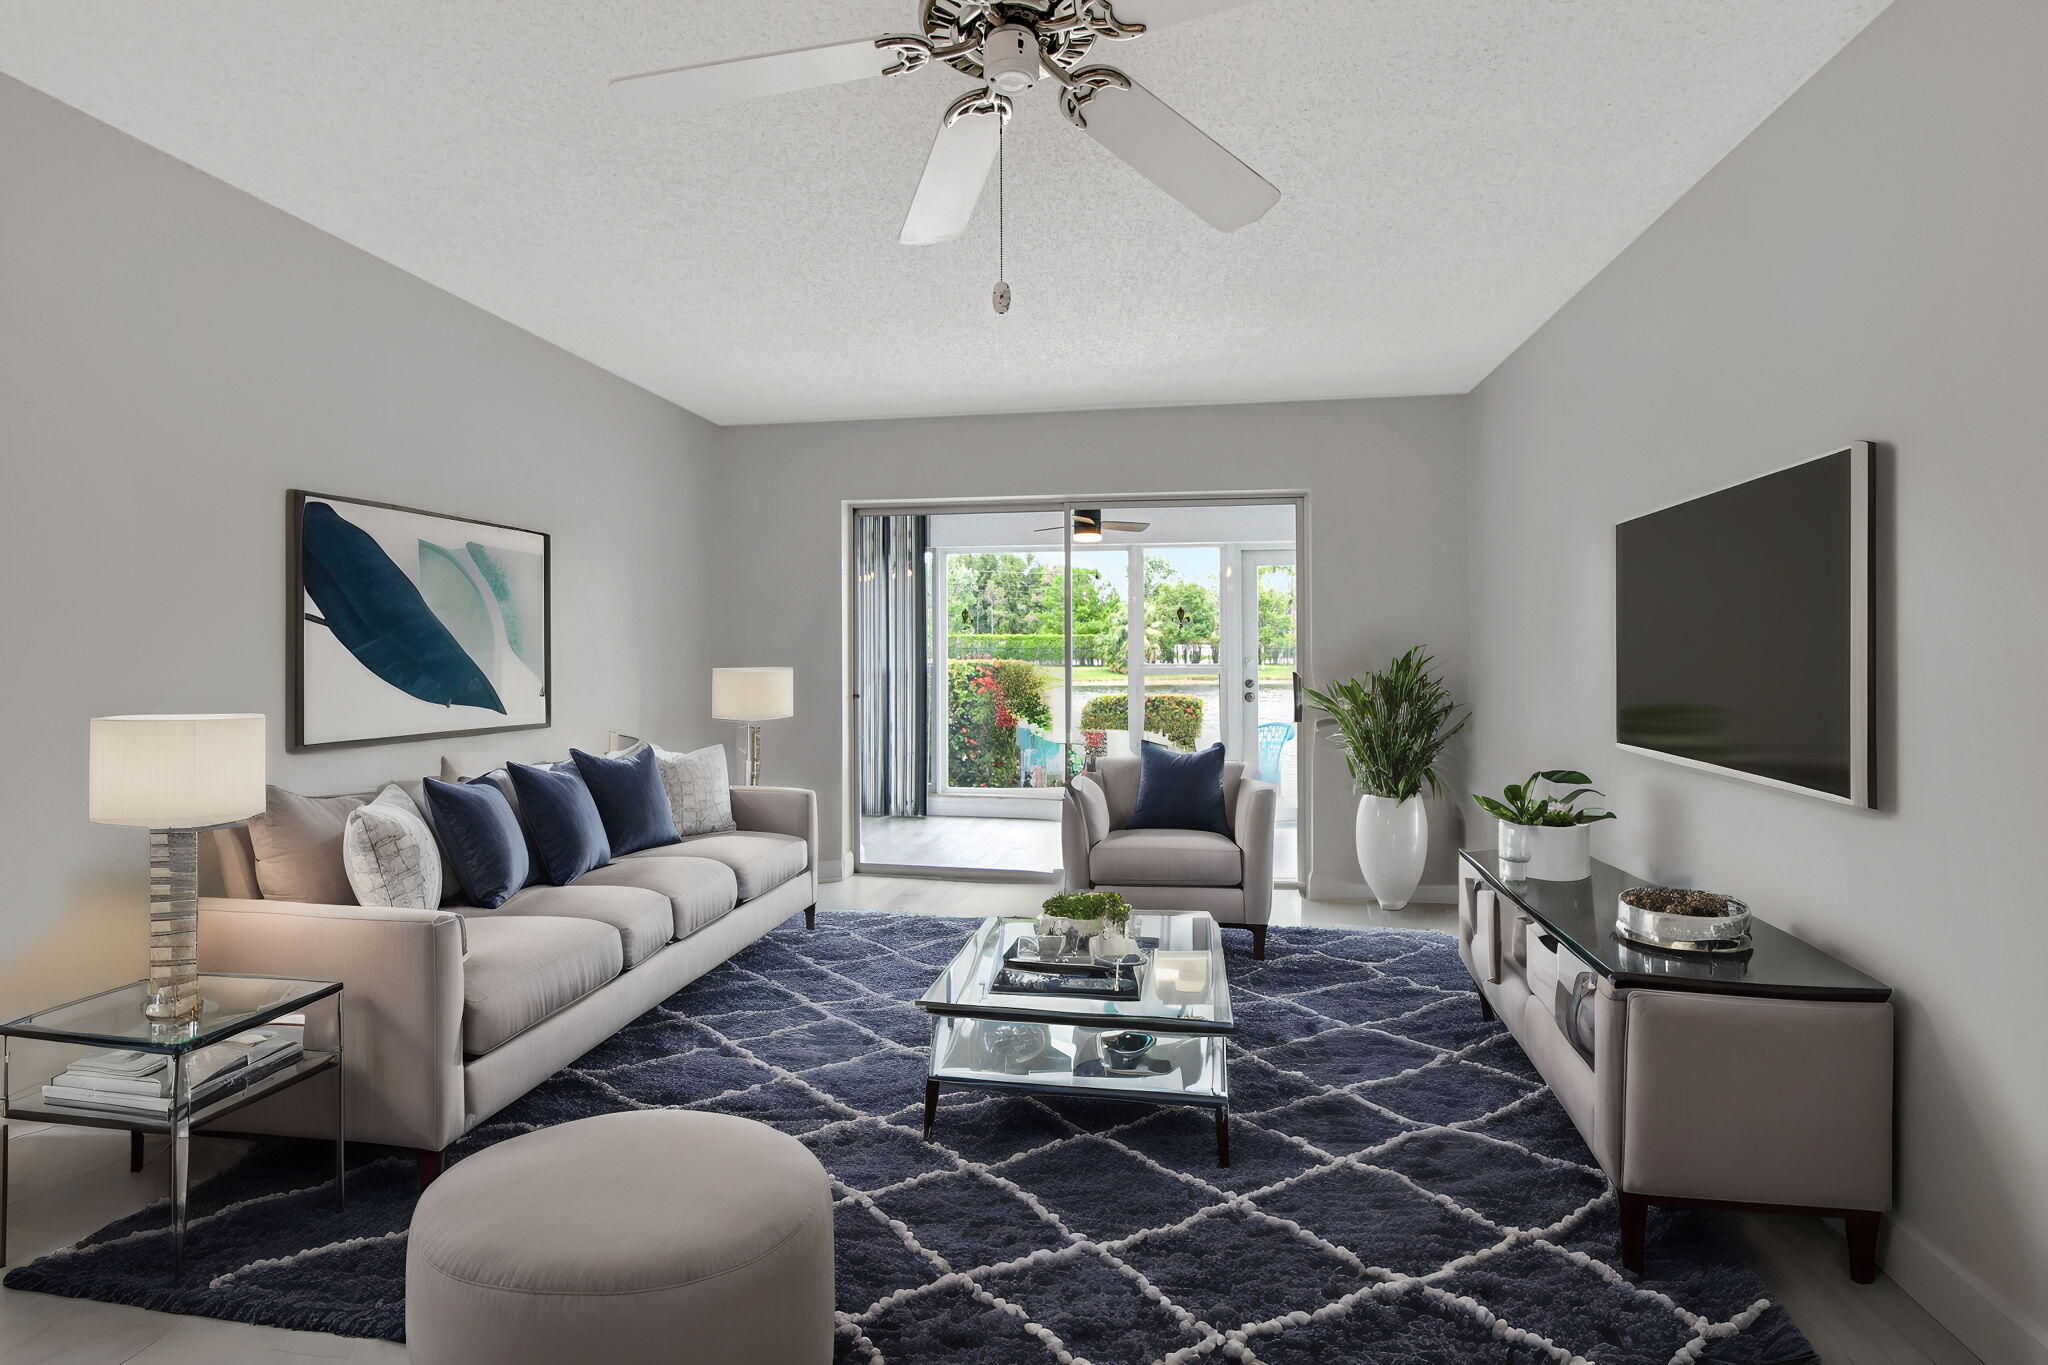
(1274, 737)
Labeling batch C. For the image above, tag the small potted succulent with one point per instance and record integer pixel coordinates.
(1080, 915)
(1549, 836)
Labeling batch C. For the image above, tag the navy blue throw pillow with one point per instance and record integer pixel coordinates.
(630, 798)
(562, 818)
(1181, 791)
(482, 837)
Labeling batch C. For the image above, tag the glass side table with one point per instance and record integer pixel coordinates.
(114, 1019)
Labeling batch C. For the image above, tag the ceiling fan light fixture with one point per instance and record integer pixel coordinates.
(1010, 59)
(1088, 526)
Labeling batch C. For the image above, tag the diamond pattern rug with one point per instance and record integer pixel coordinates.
(1404, 1188)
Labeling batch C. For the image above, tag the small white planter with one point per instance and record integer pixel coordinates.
(1393, 841)
(1555, 853)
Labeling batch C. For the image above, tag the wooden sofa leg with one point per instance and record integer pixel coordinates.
(1863, 1228)
(1635, 1220)
(1259, 941)
(430, 1166)
(811, 918)
(1486, 1014)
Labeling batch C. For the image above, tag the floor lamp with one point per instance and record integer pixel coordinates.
(750, 696)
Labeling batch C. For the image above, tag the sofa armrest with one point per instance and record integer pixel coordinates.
(1257, 806)
(779, 810)
(402, 974)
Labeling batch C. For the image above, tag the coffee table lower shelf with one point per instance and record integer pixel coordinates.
(1066, 1059)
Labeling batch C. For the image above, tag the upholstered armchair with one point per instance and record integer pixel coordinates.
(1172, 869)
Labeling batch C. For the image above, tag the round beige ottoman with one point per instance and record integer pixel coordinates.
(651, 1236)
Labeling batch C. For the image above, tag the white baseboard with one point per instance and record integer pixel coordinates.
(1992, 1326)
(1358, 893)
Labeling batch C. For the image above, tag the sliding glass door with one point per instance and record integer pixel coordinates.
(1001, 650)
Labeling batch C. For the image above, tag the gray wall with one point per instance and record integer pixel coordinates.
(1387, 496)
(175, 355)
(1870, 264)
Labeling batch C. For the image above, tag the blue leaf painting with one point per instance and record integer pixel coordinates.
(379, 616)
(518, 579)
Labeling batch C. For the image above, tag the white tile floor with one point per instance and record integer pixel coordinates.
(986, 844)
(69, 1181)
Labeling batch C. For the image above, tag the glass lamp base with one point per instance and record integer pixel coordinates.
(173, 925)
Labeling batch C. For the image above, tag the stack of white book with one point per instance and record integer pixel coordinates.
(140, 1082)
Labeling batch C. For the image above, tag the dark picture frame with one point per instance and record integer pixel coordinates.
(301, 617)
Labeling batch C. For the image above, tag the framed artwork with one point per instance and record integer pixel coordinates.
(412, 625)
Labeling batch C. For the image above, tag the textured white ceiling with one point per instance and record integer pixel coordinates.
(1454, 170)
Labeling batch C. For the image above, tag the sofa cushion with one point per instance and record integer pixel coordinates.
(696, 891)
(643, 918)
(1165, 857)
(630, 799)
(761, 862)
(562, 818)
(523, 968)
(297, 843)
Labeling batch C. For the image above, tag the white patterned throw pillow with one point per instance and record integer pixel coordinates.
(698, 786)
(390, 854)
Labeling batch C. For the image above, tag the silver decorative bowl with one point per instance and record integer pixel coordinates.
(1684, 933)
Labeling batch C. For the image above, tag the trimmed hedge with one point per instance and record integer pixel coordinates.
(1172, 714)
(1037, 649)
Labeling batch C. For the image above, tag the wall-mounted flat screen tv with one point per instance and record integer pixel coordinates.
(1742, 629)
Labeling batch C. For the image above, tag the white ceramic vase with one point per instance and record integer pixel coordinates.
(1393, 841)
(1557, 853)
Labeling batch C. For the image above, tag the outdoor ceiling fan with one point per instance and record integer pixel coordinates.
(1089, 525)
(1006, 47)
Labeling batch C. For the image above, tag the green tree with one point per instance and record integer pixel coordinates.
(1178, 617)
(1276, 625)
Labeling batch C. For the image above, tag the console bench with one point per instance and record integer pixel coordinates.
(1757, 1080)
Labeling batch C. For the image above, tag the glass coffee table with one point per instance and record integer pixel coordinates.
(987, 1038)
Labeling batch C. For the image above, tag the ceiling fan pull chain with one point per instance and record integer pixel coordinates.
(1002, 293)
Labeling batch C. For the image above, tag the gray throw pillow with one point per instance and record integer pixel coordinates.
(297, 842)
(390, 854)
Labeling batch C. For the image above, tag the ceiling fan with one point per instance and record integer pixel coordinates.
(1006, 47)
(1089, 525)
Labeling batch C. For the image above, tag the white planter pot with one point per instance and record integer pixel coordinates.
(1557, 853)
(1393, 841)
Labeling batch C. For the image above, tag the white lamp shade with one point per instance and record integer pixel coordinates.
(176, 772)
(753, 693)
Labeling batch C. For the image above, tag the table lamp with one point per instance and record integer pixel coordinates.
(750, 696)
(175, 776)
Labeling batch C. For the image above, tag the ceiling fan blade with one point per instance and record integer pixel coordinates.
(1178, 157)
(1158, 13)
(961, 157)
(684, 88)
(1126, 525)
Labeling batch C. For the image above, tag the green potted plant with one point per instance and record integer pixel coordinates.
(1392, 727)
(1550, 836)
(1080, 915)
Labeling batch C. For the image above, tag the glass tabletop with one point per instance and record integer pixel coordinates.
(228, 1004)
(1181, 988)
(1583, 913)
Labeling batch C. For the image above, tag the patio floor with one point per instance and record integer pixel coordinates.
(983, 843)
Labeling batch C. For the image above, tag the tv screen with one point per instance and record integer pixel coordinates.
(1742, 629)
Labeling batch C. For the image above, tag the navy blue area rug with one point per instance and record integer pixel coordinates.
(1403, 1189)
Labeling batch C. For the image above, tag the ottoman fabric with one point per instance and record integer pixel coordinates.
(656, 1235)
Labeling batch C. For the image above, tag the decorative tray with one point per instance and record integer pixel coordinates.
(1097, 985)
(1148, 1066)
(1024, 953)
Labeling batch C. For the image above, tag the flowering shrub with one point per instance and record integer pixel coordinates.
(1171, 714)
(986, 702)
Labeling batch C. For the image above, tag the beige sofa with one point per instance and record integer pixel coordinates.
(1172, 869)
(453, 1013)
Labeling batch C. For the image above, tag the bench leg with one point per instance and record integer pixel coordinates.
(1635, 1219)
